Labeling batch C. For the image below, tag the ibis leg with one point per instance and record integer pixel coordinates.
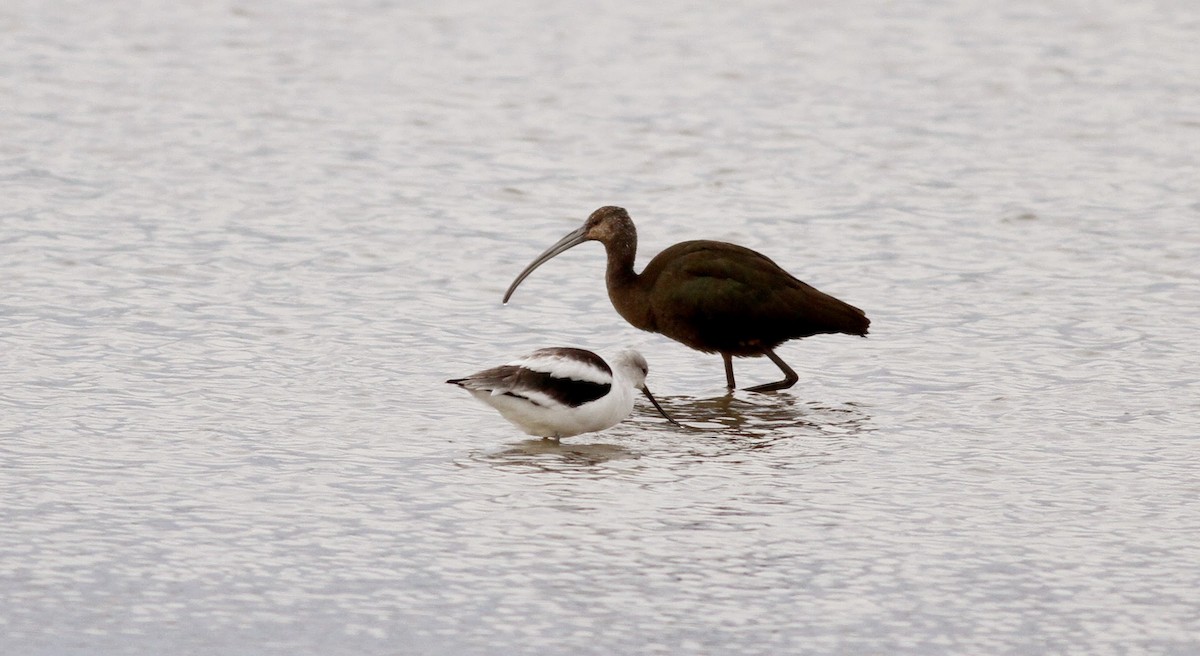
(789, 376)
(728, 370)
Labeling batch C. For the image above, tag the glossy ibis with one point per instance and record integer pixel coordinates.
(710, 295)
(560, 392)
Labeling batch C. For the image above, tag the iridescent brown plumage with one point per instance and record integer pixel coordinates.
(710, 295)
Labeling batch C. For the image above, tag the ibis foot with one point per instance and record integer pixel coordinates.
(771, 387)
(789, 376)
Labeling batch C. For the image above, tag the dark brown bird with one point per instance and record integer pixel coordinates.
(710, 295)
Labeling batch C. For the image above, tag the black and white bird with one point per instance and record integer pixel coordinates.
(560, 392)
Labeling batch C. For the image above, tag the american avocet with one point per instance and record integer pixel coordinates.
(710, 295)
(560, 392)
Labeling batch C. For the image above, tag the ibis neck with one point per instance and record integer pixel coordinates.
(621, 254)
(626, 294)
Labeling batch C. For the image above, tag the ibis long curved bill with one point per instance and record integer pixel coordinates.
(575, 238)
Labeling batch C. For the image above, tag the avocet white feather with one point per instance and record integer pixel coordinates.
(561, 392)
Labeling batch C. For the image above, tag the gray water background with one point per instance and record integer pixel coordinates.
(243, 244)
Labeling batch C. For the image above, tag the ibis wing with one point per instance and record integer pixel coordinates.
(716, 279)
(722, 297)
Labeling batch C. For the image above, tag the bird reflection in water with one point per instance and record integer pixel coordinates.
(556, 456)
(756, 422)
(715, 427)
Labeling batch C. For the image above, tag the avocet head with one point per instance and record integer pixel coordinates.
(633, 367)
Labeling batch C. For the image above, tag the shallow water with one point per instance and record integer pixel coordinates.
(244, 245)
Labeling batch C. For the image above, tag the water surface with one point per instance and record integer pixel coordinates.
(243, 245)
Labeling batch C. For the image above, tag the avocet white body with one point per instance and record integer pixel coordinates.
(561, 392)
